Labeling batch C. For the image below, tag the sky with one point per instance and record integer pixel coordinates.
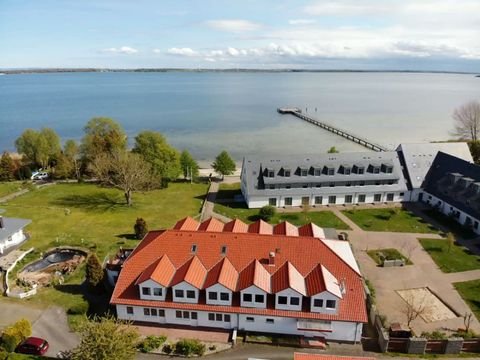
(442, 35)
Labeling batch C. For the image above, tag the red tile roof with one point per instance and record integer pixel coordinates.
(248, 253)
(287, 276)
(285, 228)
(260, 227)
(236, 226)
(305, 356)
(160, 271)
(222, 273)
(212, 225)
(311, 230)
(188, 224)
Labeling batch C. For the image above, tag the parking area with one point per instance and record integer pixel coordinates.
(177, 333)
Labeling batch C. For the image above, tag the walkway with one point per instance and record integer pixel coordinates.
(13, 195)
(207, 211)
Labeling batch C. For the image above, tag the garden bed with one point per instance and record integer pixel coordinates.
(379, 255)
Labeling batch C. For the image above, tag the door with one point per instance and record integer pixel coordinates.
(305, 200)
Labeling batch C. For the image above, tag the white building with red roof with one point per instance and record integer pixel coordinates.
(258, 278)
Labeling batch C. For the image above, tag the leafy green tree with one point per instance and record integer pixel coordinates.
(140, 228)
(7, 167)
(163, 158)
(39, 147)
(15, 334)
(332, 150)
(105, 339)
(267, 212)
(68, 164)
(102, 135)
(188, 164)
(224, 164)
(94, 271)
(475, 150)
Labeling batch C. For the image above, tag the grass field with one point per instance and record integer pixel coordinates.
(469, 291)
(7, 188)
(389, 254)
(457, 259)
(390, 219)
(96, 218)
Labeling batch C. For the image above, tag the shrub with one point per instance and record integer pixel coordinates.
(3, 354)
(168, 348)
(435, 335)
(188, 347)
(151, 343)
(94, 271)
(16, 333)
(78, 309)
(141, 228)
(266, 213)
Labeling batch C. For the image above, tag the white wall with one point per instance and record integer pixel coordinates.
(324, 296)
(15, 239)
(151, 285)
(254, 291)
(217, 288)
(289, 293)
(185, 286)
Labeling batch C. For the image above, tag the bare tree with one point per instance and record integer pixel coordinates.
(467, 320)
(124, 170)
(467, 121)
(450, 241)
(414, 308)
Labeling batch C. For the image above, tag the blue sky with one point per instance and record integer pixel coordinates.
(341, 34)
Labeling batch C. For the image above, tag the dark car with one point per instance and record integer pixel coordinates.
(33, 346)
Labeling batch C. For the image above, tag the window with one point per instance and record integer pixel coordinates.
(318, 302)
(389, 169)
(179, 293)
(376, 170)
(194, 248)
(318, 185)
(361, 171)
(475, 224)
(288, 201)
(332, 199)
(347, 171)
(362, 183)
(250, 319)
(223, 250)
(377, 197)
(348, 184)
(318, 200)
(186, 315)
(218, 317)
(145, 290)
(270, 321)
(212, 295)
(194, 315)
(272, 201)
(259, 298)
(390, 196)
(146, 311)
(161, 313)
(157, 291)
(348, 199)
(305, 186)
(226, 318)
(178, 314)
(224, 296)
(271, 186)
(303, 172)
(361, 198)
(287, 173)
(282, 300)
(153, 312)
(318, 172)
(288, 186)
(294, 301)
(129, 310)
(211, 316)
(330, 304)
(190, 294)
(271, 173)
(332, 184)
(401, 194)
(331, 171)
(247, 297)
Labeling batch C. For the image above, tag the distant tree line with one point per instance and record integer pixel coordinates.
(102, 154)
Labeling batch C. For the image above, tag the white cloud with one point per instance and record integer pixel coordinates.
(302, 21)
(182, 52)
(121, 50)
(157, 51)
(234, 25)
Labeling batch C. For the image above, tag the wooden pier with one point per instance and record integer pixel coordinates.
(356, 139)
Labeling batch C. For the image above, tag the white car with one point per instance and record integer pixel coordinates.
(40, 176)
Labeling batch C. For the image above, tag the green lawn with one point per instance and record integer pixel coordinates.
(469, 291)
(457, 259)
(390, 219)
(7, 188)
(325, 219)
(389, 254)
(95, 218)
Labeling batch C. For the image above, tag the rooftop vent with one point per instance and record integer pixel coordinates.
(194, 248)
(271, 258)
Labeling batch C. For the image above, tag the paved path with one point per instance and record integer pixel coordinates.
(13, 195)
(210, 204)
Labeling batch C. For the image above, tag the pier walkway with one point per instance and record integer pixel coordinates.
(356, 139)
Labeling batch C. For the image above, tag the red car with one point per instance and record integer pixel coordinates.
(33, 346)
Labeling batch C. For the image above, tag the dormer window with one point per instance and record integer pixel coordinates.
(347, 171)
(317, 172)
(287, 172)
(193, 248)
(376, 169)
(271, 173)
(331, 304)
(389, 169)
(331, 171)
(303, 172)
(223, 250)
(360, 170)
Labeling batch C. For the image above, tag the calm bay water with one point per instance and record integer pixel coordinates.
(208, 112)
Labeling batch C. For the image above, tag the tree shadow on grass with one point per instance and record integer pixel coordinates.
(98, 303)
(127, 236)
(100, 201)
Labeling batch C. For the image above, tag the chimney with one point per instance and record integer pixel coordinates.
(271, 258)
(2, 224)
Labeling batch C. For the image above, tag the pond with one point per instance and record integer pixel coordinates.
(53, 257)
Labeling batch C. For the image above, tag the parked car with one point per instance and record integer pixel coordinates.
(40, 176)
(33, 346)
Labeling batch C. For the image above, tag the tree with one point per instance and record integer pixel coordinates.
(124, 170)
(94, 271)
(475, 150)
(332, 150)
(450, 241)
(71, 151)
(7, 168)
(106, 338)
(189, 165)
(39, 147)
(224, 164)
(267, 212)
(102, 135)
(16, 333)
(467, 321)
(467, 121)
(163, 158)
(140, 228)
(414, 308)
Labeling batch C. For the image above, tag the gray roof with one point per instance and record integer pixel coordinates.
(419, 157)
(11, 226)
(255, 169)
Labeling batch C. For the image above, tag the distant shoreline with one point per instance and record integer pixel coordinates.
(232, 70)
